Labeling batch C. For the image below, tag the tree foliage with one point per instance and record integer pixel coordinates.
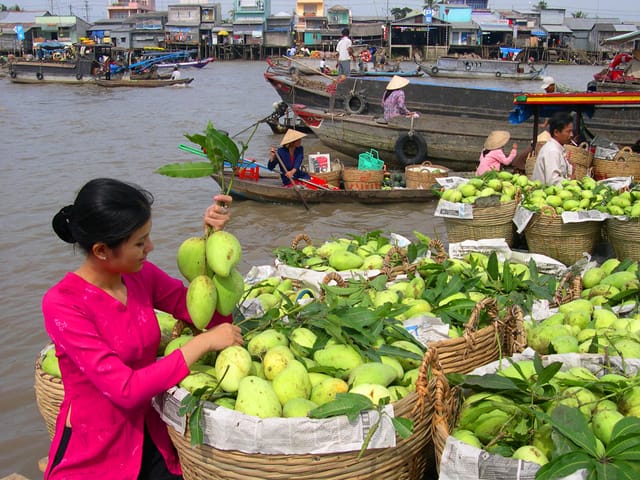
(579, 14)
(399, 13)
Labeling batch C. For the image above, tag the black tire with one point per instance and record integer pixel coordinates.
(292, 71)
(13, 74)
(467, 66)
(78, 76)
(410, 148)
(498, 74)
(355, 104)
(39, 76)
(435, 69)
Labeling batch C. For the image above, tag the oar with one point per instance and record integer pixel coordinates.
(333, 79)
(252, 125)
(295, 186)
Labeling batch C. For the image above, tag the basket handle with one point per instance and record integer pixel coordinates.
(438, 246)
(489, 304)
(426, 163)
(515, 336)
(299, 238)
(329, 277)
(573, 290)
(584, 145)
(386, 265)
(548, 208)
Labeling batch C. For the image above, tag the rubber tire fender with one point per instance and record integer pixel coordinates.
(39, 76)
(355, 104)
(413, 141)
(435, 69)
(498, 74)
(13, 74)
(79, 76)
(467, 66)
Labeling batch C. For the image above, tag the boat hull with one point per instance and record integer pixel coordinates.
(143, 83)
(468, 67)
(35, 72)
(271, 190)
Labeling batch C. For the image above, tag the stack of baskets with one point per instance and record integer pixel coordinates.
(424, 175)
(408, 460)
(581, 158)
(49, 396)
(624, 236)
(369, 174)
(333, 176)
(487, 222)
(626, 163)
(548, 235)
(531, 160)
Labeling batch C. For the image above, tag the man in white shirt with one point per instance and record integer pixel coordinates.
(551, 165)
(175, 75)
(345, 54)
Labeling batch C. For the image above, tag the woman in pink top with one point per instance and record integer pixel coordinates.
(102, 321)
(492, 157)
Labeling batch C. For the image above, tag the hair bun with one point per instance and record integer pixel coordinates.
(61, 224)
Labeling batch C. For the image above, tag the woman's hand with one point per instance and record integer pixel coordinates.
(218, 214)
(272, 152)
(223, 336)
(514, 146)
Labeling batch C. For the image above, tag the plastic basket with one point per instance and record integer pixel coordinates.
(370, 161)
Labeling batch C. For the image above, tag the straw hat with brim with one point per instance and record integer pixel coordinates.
(496, 139)
(291, 136)
(547, 82)
(397, 82)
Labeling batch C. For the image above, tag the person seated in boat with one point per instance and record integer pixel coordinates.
(289, 157)
(393, 99)
(175, 75)
(101, 319)
(492, 156)
(633, 69)
(551, 165)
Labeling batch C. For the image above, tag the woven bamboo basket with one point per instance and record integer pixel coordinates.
(408, 460)
(355, 179)
(530, 161)
(333, 176)
(626, 163)
(487, 222)
(49, 396)
(624, 237)
(581, 158)
(548, 235)
(477, 347)
(424, 175)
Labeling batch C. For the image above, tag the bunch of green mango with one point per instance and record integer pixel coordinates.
(514, 420)
(502, 183)
(50, 363)
(215, 284)
(625, 203)
(589, 324)
(570, 196)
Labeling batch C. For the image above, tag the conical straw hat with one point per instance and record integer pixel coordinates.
(496, 139)
(397, 82)
(291, 136)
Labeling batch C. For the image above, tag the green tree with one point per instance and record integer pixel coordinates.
(579, 14)
(399, 13)
(542, 5)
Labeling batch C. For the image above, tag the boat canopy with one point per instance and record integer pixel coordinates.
(625, 37)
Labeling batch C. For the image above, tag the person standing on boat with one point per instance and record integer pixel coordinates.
(102, 321)
(345, 54)
(492, 156)
(175, 75)
(393, 100)
(289, 157)
(551, 165)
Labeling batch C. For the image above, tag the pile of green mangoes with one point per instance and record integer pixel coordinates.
(502, 183)
(589, 324)
(570, 195)
(288, 376)
(215, 284)
(49, 363)
(624, 203)
(512, 422)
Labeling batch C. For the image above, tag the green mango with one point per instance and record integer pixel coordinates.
(338, 356)
(256, 397)
(223, 252)
(345, 260)
(292, 382)
(298, 407)
(275, 360)
(229, 291)
(529, 453)
(202, 297)
(265, 340)
(176, 343)
(326, 390)
(191, 258)
(301, 341)
(372, 373)
(373, 391)
(234, 363)
(50, 364)
(196, 380)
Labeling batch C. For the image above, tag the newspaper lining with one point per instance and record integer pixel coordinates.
(454, 210)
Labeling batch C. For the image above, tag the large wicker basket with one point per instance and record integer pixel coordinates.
(355, 179)
(581, 158)
(408, 460)
(626, 163)
(624, 236)
(49, 396)
(548, 235)
(487, 222)
(424, 175)
(477, 347)
(333, 176)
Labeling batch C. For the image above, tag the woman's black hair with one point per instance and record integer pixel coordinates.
(105, 210)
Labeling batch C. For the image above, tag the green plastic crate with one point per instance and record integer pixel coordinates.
(370, 161)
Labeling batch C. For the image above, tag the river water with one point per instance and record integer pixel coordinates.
(56, 137)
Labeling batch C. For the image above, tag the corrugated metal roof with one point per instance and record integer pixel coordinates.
(464, 26)
(22, 17)
(557, 29)
(621, 27)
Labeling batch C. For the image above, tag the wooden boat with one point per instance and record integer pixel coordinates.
(271, 190)
(151, 83)
(189, 64)
(283, 119)
(475, 109)
(58, 62)
(466, 67)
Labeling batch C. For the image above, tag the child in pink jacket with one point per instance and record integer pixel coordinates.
(101, 318)
(492, 156)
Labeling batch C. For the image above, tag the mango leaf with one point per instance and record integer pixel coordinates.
(491, 381)
(349, 404)
(391, 351)
(628, 468)
(493, 267)
(546, 373)
(403, 426)
(571, 423)
(565, 465)
(187, 170)
(613, 471)
(625, 440)
(195, 427)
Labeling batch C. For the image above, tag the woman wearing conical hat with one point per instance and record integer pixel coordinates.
(393, 98)
(291, 152)
(492, 156)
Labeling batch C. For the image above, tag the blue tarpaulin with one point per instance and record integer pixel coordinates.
(539, 33)
(521, 113)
